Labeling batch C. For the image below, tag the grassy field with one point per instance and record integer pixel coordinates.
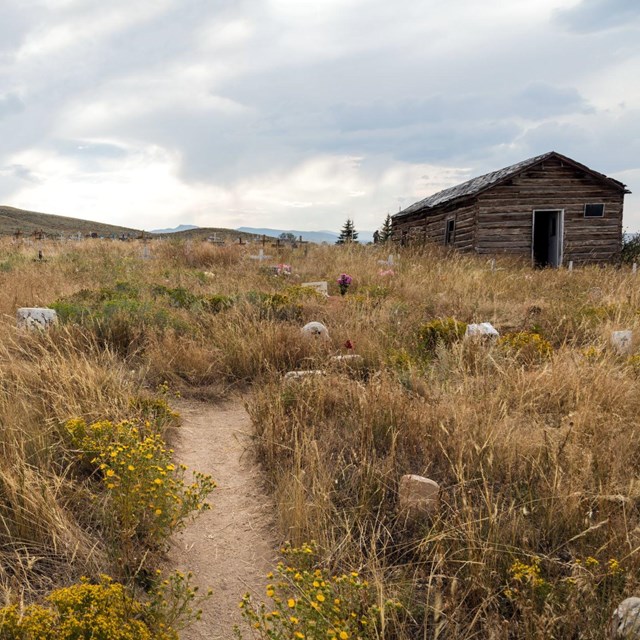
(533, 439)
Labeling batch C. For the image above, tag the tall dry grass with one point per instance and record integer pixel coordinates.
(538, 530)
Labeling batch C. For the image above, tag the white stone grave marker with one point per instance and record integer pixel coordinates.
(389, 262)
(625, 622)
(321, 287)
(315, 330)
(418, 493)
(35, 318)
(481, 330)
(622, 341)
(299, 375)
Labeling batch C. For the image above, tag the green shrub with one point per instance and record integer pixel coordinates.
(217, 303)
(446, 331)
(630, 248)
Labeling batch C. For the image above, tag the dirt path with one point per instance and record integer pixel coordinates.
(231, 547)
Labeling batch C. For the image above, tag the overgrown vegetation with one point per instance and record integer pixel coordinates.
(306, 602)
(533, 438)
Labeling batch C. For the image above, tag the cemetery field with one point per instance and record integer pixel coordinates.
(533, 437)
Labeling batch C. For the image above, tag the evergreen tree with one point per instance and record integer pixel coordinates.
(348, 233)
(386, 231)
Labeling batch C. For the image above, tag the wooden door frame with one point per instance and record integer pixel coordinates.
(560, 233)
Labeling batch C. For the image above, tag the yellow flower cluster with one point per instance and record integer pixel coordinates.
(103, 611)
(307, 603)
(446, 331)
(526, 346)
(527, 573)
(149, 495)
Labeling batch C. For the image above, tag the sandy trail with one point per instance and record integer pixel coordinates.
(232, 547)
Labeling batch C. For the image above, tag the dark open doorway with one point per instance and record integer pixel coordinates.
(547, 238)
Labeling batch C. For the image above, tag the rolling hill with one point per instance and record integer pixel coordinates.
(202, 233)
(12, 220)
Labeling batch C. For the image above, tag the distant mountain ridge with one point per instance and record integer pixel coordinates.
(311, 236)
(180, 227)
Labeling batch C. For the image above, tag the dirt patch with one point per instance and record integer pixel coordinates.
(232, 547)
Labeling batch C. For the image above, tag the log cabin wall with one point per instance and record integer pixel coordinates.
(500, 219)
(505, 213)
(431, 228)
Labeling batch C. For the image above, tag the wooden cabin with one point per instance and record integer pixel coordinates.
(550, 209)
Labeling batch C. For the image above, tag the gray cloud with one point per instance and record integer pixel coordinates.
(10, 104)
(590, 16)
(239, 92)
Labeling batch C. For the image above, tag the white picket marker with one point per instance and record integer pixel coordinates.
(261, 256)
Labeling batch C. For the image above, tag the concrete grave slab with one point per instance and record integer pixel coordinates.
(321, 287)
(35, 318)
(418, 494)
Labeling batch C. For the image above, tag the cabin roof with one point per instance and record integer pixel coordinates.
(476, 185)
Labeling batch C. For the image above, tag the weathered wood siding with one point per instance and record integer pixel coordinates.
(432, 228)
(505, 213)
(500, 219)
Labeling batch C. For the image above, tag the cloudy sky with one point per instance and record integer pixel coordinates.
(288, 114)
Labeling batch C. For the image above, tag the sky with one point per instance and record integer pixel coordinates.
(295, 115)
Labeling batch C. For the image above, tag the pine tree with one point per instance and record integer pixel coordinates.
(348, 233)
(386, 231)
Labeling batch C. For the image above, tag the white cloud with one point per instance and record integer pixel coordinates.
(277, 112)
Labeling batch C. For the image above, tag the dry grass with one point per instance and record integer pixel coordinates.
(537, 457)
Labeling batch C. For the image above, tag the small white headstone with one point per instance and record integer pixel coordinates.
(299, 375)
(622, 342)
(320, 287)
(634, 268)
(625, 622)
(418, 493)
(389, 262)
(315, 330)
(35, 318)
(570, 265)
(482, 330)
